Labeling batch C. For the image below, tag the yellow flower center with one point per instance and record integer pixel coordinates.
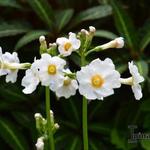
(67, 46)
(67, 82)
(52, 69)
(97, 81)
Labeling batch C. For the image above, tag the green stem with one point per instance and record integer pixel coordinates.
(84, 114)
(96, 49)
(49, 123)
(84, 124)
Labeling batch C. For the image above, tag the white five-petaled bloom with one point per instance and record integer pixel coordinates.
(31, 79)
(136, 79)
(67, 46)
(68, 88)
(40, 144)
(6, 67)
(51, 71)
(98, 79)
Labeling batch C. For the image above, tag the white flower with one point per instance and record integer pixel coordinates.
(98, 79)
(51, 71)
(68, 88)
(40, 144)
(136, 79)
(31, 79)
(66, 46)
(6, 60)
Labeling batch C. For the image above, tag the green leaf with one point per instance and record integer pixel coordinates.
(29, 37)
(43, 10)
(145, 106)
(10, 3)
(121, 67)
(145, 144)
(63, 17)
(93, 146)
(12, 93)
(105, 34)
(100, 128)
(12, 28)
(74, 144)
(117, 140)
(143, 68)
(145, 41)
(125, 26)
(93, 13)
(12, 135)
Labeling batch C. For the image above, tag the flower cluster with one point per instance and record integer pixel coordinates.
(41, 125)
(95, 80)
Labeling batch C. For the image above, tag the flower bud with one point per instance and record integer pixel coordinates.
(85, 32)
(119, 42)
(52, 50)
(116, 43)
(42, 38)
(92, 29)
(40, 144)
(56, 125)
(43, 44)
(37, 115)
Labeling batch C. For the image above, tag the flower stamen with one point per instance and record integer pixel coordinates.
(67, 82)
(52, 69)
(67, 46)
(97, 81)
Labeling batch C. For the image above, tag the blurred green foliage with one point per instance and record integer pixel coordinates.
(21, 24)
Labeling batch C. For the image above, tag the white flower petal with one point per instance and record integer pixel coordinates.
(75, 42)
(137, 78)
(61, 40)
(30, 81)
(87, 92)
(11, 77)
(137, 91)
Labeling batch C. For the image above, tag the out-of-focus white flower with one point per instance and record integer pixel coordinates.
(136, 79)
(68, 88)
(66, 46)
(98, 79)
(40, 144)
(116, 43)
(31, 79)
(9, 65)
(51, 71)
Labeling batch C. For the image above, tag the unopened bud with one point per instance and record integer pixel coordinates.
(83, 31)
(56, 126)
(43, 44)
(92, 29)
(119, 42)
(42, 38)
(40, 144)
(51, 113)
(37, 116)
(116, 43)
(52, 44)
